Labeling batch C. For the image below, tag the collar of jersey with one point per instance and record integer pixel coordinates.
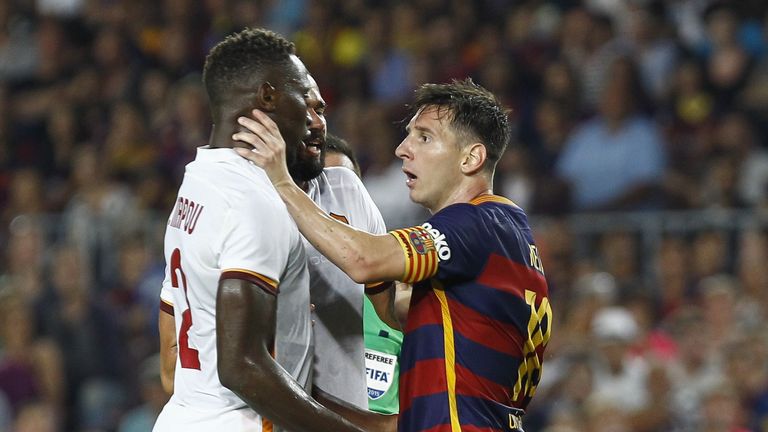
(484, 198)
(217, 154)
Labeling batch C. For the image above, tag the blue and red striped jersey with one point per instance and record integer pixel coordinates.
(477, 328)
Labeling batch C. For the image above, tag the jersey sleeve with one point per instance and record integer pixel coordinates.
(444, 246)
(166, 295)
(256, 241)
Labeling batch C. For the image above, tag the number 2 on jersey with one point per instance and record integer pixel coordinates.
(189, 357)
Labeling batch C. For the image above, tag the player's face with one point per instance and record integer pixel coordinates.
(299, 115)
(431, 158)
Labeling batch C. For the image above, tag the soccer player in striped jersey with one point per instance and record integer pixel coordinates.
(480, 317)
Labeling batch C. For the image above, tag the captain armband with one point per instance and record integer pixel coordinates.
(421, 259)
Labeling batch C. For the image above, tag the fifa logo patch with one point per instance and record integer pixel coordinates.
(422, 242)
(379, 371)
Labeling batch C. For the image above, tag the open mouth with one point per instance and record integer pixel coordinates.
(314, 145)
(410, 178)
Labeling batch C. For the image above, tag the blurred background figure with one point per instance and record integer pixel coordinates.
(153, 398)
(616, 160)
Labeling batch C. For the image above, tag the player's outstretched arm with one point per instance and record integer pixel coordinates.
(168, 349)
(363, 256)
(245, 330)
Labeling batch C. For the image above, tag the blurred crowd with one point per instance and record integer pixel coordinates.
(618, 106)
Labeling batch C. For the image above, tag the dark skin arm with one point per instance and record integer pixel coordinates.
(245, 330)
(168, 349)
(377, 422)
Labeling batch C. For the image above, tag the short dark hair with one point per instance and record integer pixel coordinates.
(474, 111)
(335, 144)
(240, 56)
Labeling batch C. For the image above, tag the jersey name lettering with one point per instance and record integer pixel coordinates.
(185, 215)
(535, 259)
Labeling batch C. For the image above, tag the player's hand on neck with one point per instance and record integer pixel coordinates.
(268, 147)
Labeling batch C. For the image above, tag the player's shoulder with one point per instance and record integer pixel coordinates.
(484, 210)
(237, 181)
(341, 177)
(496, 203)
(224, 161)
(339, 190)
(344, 184)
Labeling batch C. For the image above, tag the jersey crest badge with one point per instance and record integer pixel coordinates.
(421, 241)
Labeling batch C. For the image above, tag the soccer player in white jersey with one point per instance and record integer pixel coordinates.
(236, 277)
(339, 365)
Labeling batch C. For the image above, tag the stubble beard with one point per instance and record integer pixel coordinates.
(306, 169)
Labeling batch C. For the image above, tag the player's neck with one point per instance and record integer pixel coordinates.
(464, 193)
(221, 137)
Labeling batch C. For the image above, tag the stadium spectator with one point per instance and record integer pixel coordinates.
(615, 161)
(88, 335)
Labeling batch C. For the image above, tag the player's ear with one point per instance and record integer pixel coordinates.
(266, 97)
(473, 158)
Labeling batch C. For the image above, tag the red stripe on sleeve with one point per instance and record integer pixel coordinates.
(234, 274)
(166, 307)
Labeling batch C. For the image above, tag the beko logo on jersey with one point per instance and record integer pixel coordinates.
(443, 251)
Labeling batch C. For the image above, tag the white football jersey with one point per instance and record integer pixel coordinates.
(229, 222)
(339, 344)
